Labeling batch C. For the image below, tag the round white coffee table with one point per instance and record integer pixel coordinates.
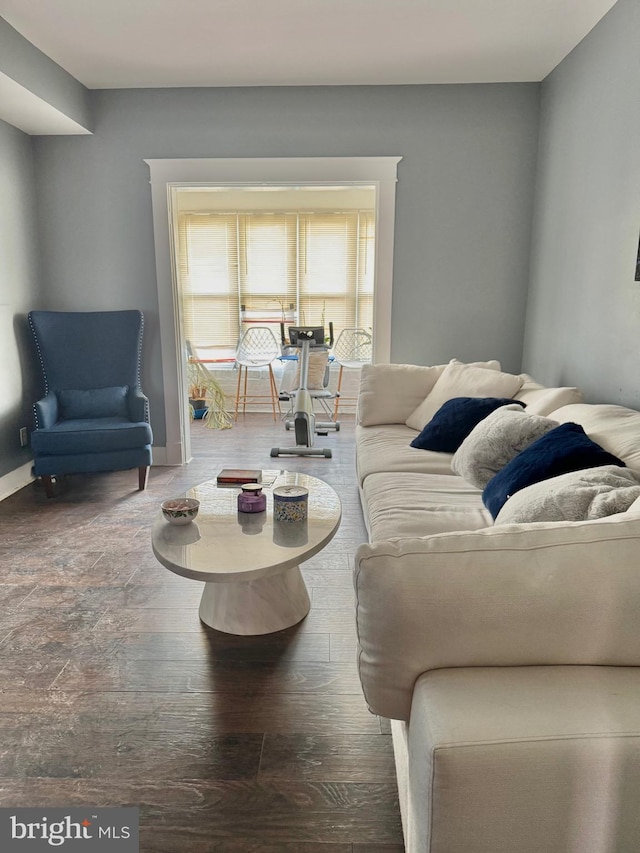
(250, 562)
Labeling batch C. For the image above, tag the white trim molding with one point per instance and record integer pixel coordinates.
(168, 175)
(15, 480)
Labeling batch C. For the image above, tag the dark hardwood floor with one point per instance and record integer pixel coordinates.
(114, 693)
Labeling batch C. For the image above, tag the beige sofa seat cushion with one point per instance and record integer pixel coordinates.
(386, 448)
(463, 380)
(615, 428)
(525, 759)
(406, 505)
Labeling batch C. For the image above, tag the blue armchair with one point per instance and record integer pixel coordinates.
(94, 416)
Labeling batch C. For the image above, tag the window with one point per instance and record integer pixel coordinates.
(303, 267)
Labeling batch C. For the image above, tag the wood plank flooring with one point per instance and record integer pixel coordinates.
(114, 693)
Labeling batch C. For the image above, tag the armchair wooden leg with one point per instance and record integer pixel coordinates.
(47, 482)
(143, 474)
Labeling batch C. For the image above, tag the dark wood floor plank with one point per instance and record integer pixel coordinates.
(193, 812)
(132, 755)
(340, 758)
(168, 712)
(247, 678)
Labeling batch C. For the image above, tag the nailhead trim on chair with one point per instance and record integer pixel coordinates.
(44, 373)
(147, 416)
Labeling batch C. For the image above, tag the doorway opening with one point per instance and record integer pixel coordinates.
(311, 241)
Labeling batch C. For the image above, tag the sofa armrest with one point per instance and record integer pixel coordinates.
(138, 405)
(517, 595)
(45, 411)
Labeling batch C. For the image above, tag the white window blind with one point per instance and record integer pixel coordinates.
(310, 268)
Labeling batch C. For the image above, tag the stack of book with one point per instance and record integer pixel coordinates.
(238, 476)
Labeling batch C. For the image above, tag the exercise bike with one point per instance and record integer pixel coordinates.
(301, 416)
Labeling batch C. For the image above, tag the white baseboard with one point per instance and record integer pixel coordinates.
(16, 480)
(21, 477)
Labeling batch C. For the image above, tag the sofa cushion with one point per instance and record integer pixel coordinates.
(565, 448)
(400, 506)
(527, 759)
(390, 392)
(385, 448)
(93, 403)
(455, 419)
(495, 441)
(575, 496)
(616, 428)
(541, 401)
(462, 380)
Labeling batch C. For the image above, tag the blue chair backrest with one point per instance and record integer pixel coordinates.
(88, 349)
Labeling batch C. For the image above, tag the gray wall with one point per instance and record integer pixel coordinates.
(19, 292)
(464, 199)
(583, 318)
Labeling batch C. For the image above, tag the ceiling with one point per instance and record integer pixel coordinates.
(153, 43)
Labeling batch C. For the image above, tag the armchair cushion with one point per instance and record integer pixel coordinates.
(88, 435)
(93, 403)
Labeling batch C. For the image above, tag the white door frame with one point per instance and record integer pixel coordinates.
(168, 175)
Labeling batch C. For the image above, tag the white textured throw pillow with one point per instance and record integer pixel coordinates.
(576, 496)
(496, 441)
(462, 380)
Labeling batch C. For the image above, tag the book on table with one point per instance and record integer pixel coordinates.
(238, 476)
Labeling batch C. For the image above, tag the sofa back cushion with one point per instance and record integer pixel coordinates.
(543, 401)
(463, 380)
(565, 448)
(496, 441)
(616, 428)
(390, 392)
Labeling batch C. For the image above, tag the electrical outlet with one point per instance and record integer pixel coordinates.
(24, 437)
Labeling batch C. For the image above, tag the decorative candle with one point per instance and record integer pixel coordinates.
(251, 498)
(290, 503)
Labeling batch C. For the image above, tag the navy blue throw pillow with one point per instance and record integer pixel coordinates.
(563, 449)
(454, 420)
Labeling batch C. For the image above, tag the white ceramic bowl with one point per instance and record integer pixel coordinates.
(180, 510)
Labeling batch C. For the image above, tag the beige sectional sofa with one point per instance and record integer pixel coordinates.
(506, 655)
